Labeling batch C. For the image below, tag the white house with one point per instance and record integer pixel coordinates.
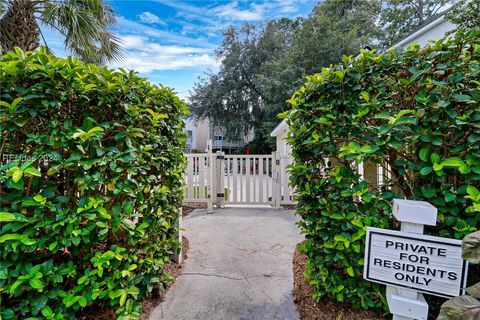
(197, 135)
(280, 133)
(221, 143)
(434, 30)
(198, 132)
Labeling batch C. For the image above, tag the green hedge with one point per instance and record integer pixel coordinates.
(417, 111)
(92, 161)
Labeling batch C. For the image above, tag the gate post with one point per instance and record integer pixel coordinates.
(219, 181)
(276, 180)
(412, 216)
(178, 255)
(210, 177)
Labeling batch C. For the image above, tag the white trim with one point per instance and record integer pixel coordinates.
(282, 126)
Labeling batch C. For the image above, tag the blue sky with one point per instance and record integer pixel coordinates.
(172, 42)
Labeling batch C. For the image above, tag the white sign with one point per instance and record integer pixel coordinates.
(432, 265)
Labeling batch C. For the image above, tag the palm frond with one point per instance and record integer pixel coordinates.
(3, 7)
(85, 25)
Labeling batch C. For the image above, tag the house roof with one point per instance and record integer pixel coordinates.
(282, 126)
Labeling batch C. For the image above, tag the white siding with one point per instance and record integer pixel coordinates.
(201, 136)
(434, 31)
(190, 127)
(282, 146)
(198, 142)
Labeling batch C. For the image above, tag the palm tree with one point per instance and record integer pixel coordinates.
(83, 23)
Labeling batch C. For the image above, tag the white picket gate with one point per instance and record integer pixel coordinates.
(247, 179)
(216, 178)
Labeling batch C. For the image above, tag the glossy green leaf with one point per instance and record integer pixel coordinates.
(350, 271)
(435, 158)
(7, 217)
(32, 171)
(423, 154)
(17, 175)
(47, 312)
(426, 170)
(36, 284)
(10, 236)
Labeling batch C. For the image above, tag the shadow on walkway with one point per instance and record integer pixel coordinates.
(239, 266)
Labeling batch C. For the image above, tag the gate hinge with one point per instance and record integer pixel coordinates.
(221, 195)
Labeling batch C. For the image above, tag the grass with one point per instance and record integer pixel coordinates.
(196, 192)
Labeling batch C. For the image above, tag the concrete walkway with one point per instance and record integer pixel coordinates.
(239, 267)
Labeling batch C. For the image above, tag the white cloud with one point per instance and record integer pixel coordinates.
(176, 56)
(149, 49)
(146, 56)
(149, 17)
(129, 27)
(143, 63)
(132, 41)
(191, 11)
(232, 12)
(216, 16)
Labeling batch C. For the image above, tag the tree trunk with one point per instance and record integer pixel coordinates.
(18, 27)
(420, 12)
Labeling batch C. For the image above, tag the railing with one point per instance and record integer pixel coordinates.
(225, 144)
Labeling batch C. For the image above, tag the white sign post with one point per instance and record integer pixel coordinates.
(411, 263)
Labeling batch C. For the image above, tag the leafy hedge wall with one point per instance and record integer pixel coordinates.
(90, 186)
(416, 113)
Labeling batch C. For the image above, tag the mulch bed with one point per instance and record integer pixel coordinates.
(189, 207)
(325, 309)
(175, 270)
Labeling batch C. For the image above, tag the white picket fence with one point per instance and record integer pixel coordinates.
(286, 190)
(198, 177)
(219, 179)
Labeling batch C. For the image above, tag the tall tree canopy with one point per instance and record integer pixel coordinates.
(233, 92)
(83, 23)
(466, 14)
(261, 66)
(333, 29)
(236, 97)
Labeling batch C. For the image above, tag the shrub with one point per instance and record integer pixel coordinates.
(91, 186)
(416, 114)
